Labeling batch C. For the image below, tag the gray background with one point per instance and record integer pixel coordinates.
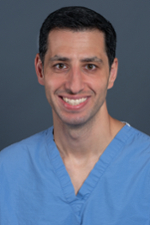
(23, 107)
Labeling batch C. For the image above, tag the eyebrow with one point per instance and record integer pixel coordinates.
(59, 58)
(65, 59)
(92, 59)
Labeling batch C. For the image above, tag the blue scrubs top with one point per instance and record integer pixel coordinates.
(35, 188)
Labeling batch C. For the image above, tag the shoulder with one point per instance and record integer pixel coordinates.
(136, 143)
(138, 137)
(23, 148)
(24, 163)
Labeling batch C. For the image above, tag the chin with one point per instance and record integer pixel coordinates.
(74, 121)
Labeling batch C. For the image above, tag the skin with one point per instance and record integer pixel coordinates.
(75, 67)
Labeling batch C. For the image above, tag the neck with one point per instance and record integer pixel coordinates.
(88, 140)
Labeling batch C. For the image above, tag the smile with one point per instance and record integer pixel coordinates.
(74, 101)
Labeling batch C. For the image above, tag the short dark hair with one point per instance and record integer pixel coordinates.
(78, 18)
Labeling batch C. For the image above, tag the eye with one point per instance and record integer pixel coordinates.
(60, 66)
(90, 67)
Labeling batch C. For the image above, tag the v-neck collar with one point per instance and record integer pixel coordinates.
(100, 167)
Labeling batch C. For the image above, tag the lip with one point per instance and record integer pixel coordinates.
(74, 107)
(72, 96)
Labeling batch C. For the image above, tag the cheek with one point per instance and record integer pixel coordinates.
(51, 82)
(52, 85)
(99, 85)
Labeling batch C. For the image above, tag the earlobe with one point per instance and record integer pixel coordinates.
(39, 69)
(113, 73)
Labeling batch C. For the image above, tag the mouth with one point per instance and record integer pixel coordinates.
(74, 102)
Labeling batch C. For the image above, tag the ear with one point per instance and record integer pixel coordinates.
(113, 73)
(39, 69)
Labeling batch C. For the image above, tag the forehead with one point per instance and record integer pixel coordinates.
(72, 42)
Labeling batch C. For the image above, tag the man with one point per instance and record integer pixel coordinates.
(88, 168)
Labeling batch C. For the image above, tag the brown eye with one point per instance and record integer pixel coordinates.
(90, 67)
(60, 66)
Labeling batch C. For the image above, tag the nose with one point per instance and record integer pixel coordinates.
(74, 83)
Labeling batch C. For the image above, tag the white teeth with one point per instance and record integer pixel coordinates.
(74, 101)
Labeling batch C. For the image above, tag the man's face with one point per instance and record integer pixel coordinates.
(76, 75)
